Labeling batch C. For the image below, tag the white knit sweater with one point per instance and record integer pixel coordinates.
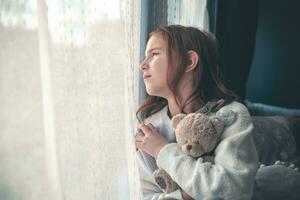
(231, 177)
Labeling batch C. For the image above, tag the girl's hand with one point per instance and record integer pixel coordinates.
(152, 142)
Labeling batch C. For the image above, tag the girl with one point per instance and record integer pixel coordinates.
(181, 75)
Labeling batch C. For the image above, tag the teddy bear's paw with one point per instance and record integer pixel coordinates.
(161, 183)
(228, 117)
(164, 181)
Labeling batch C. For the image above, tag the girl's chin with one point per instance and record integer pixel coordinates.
(151, 92)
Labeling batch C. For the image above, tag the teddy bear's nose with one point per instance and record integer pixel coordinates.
(188, 147)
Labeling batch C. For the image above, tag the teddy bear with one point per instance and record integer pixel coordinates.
(197, 134)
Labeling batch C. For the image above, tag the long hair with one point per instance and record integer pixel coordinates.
(207, 82)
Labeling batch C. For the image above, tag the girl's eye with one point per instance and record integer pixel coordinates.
(150, 57)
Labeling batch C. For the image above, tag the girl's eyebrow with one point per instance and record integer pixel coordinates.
(155, 48)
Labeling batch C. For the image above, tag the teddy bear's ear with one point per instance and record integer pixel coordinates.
(176, 119)
(217, 123)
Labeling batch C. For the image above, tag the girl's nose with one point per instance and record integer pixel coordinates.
(144, 64)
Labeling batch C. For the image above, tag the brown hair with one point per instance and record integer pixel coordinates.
(206, 81)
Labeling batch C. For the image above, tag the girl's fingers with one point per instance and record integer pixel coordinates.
(137, 145)
(151, 127)
(139, 138)
(146, 130)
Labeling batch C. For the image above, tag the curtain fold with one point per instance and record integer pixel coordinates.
(132, 87)
(234, 24)
(53, 177)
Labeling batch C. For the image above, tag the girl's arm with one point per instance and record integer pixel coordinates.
(236, 162)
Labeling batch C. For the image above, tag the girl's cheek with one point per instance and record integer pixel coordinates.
(152, 62)
(156, 62)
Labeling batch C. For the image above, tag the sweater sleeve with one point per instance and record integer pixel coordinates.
(149, 189)
(236, 162)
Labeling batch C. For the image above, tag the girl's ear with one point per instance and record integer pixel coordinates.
(193, 59)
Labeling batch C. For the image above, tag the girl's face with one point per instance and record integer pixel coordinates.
(155, 66)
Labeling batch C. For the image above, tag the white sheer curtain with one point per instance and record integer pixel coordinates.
(188, 13)
(68, 95)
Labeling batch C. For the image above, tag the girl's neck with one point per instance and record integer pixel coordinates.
(186, 89)
(193, 106)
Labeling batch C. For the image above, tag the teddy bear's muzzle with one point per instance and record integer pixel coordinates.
(193, 149)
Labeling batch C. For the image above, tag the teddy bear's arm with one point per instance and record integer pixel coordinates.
(149, 188)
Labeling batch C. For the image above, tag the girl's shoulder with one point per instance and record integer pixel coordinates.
(237, 120)
(233, 106)
(234, 114)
